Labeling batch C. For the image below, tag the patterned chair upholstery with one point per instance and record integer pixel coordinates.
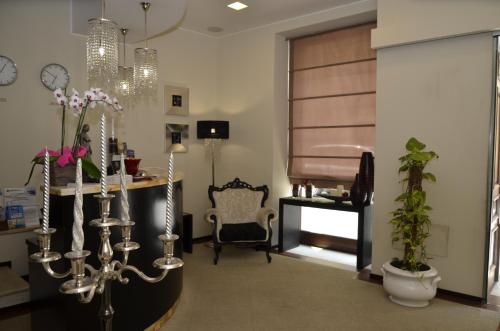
(238, 216)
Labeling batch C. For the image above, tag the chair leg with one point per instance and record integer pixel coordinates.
(268, 250)
(217, 249)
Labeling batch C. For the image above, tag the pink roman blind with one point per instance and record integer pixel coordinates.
(332, 105)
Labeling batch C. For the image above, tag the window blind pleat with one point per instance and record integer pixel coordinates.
(341, 46)
(339, 142)
(338, 80)
(346, 110)
(325, 168)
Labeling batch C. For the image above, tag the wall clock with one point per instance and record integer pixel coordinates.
(54, 76)
(8, 71)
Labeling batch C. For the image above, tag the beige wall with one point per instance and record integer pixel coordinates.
(408, 21)
(34, 33)
(440, 92)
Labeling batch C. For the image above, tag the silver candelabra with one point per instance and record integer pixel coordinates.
(99, 280)
(86, 285)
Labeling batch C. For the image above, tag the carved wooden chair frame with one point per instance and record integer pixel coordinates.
(238, 184)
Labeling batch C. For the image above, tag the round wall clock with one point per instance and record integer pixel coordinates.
(8, 71)
(54, 76)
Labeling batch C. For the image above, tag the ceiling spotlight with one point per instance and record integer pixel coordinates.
(237, 5)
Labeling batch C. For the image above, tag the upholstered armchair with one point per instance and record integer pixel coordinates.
(238, 216)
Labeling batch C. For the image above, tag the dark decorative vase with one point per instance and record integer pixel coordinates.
(366, 175)
(308, 191)
(358, 193)
(295, 190)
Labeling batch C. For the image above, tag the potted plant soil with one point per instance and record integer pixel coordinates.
(410, 281)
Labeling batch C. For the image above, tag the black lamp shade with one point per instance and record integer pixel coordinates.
(213, 130)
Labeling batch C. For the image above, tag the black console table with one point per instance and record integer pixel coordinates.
(290, 225)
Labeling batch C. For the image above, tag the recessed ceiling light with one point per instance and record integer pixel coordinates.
(237, 5)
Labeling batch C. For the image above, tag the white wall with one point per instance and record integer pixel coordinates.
(34, 33)
(440, 92)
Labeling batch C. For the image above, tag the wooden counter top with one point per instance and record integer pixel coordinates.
(95, 188)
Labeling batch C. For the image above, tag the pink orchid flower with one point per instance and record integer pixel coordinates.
(66, 156)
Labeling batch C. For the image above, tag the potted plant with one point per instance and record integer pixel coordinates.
(411, 281)
(63, 161)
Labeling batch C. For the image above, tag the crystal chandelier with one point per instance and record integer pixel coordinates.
(125, 82)
(102, 51)
(145, 64)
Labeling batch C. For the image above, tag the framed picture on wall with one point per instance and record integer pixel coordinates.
(176, 131)
(176, 100)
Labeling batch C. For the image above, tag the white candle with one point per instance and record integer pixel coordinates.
(170, 186)
(104, 188)
(125, 217)
(77, 231)
(46, 197)
(112, 127)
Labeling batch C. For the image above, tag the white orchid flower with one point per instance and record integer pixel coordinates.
(104, 97)
(88, 95)
(62, 100)
(58, 93)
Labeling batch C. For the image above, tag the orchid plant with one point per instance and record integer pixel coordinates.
(78, 106)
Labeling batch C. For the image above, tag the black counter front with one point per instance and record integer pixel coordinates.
(137, 305)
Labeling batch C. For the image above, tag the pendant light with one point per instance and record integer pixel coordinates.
(145, 63)
(125, 81)
(102, 51)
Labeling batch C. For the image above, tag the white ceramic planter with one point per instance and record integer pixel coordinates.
(410, 289)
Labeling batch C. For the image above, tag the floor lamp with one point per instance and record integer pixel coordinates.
(212, 132)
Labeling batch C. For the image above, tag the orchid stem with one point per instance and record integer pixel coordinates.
(63, 124)
(79, 128)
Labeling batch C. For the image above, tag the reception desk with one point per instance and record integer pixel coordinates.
(138, 305)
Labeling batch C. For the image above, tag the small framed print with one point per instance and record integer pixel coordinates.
(176, 100)
(183, 135)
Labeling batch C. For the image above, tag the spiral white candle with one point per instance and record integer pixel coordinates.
(125, 217)
(170, 186)
(77, 244)
(102, 131)
(46, 197)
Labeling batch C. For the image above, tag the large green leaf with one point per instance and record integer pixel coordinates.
(413, 145)
(421, 156)
(90, 169)
(429, 176)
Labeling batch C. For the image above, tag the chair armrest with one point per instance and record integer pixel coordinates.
(211, 215)
(265, 216)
